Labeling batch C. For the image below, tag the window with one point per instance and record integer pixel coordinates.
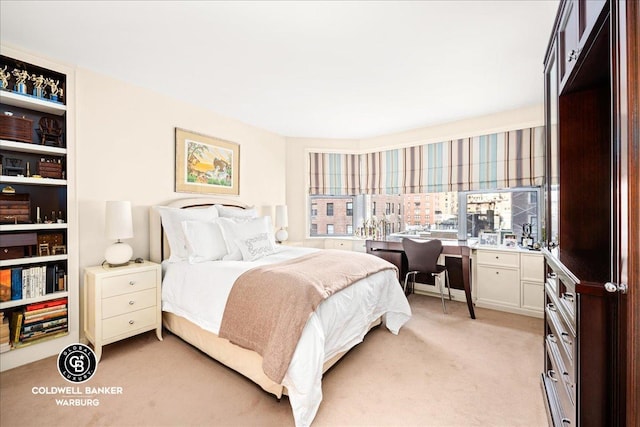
(329, 209)
(504, 211)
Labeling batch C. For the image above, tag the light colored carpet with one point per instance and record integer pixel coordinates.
(441, 370)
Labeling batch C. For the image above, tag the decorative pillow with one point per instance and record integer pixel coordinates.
(232, 212)
(256, 246)
(172, 223)
(204, 241)
(238, 228)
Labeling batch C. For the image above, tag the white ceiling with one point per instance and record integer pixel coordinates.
(304, 68)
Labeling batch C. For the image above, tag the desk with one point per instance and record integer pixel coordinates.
(391, 250)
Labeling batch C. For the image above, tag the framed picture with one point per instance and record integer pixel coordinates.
(489, 239)
(205, 164)
(510, 241)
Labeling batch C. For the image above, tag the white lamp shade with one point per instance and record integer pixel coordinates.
(282, 217)
(118, 221)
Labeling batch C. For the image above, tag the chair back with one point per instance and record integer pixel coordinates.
(422, 256)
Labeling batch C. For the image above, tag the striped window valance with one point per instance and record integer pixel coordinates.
(500, 160)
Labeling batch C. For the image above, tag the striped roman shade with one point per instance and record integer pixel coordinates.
(499, 160)
(334, 174)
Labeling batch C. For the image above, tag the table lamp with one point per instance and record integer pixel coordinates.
(282, 222)
(118, 226)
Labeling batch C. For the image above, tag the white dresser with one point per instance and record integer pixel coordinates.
(509, 280)
(120, 302)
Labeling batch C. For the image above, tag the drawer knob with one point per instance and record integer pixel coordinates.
(551, 374)
(132, 282)
(497, 257)
(565, 338)
(131, 302)
(568, 296)
(552, 275)
(497, 272)
(551, 306)
(131, 322)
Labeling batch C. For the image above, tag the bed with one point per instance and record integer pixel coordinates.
(198, 283)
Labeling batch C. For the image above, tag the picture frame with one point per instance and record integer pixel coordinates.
(489, 238)
(205, 164)
(510, 241)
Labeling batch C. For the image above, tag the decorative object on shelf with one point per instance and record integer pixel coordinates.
(489, 238)
(58, 249)
(119, 225)
(527, 240)
(17, 245)
(282, 222)
(50, 168)
(38, 219)
(21, 77)
(51, 240)
(43, 249)
(206, 165)
(4, 78)
(7, 189)
(15, 128)
(50, 131)
(54, 88)
(510, 241)
(15, 208)
(38, 85)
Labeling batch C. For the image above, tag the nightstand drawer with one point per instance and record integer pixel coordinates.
(127, 303)
(126, 283)
(129, 323)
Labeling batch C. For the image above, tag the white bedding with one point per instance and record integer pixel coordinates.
(198, 292)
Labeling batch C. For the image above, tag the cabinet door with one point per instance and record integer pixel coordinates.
(568, 40)
(499, 285)
(553, 164)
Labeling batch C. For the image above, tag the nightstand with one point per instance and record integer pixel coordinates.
(120, 302)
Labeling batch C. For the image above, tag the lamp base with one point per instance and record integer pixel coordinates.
(118, 254)
(282, 235)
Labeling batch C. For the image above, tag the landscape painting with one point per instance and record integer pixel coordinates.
(205, 164)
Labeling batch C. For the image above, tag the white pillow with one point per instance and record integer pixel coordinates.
(172, 223)
(204, 241)
(256, 246)
(238, 228)
(234, 212)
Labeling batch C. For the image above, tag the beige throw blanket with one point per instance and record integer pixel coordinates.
(268, 306)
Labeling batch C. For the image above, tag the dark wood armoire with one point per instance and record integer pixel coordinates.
(592, 231)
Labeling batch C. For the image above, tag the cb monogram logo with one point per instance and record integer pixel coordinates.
(77, 363)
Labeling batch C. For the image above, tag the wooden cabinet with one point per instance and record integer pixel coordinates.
(509, 280)
(121, 302)
(39, 168)
(591, 257)
(579, 23)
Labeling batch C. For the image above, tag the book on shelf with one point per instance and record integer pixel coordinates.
(37, 321)
(5, 284)
(46, 304)
(39, 317)
(16, 283)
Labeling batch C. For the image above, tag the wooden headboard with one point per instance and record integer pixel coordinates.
(158, 245)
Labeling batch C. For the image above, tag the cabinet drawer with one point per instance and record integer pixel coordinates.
(559, 375)
(126, 283)
(129, 323)
(533, 296)
(501, 259)
(127, 303)
(500, 285)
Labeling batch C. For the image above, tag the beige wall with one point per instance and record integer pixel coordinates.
(298, 148)
(125, 151)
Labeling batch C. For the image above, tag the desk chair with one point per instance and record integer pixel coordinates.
(422, 258)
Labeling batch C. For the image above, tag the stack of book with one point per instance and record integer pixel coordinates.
(31, 282)
(4, 334)
(37, 321)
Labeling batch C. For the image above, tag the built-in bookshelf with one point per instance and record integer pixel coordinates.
(39, 297)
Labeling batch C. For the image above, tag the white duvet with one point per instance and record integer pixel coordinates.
(198, 292)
